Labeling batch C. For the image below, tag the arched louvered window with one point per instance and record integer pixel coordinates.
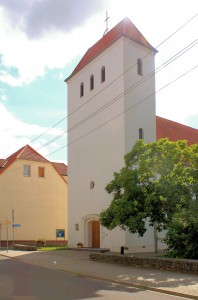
(81, 89)
(139, 67)
(103, 74)
(141, 134)
(91, 82)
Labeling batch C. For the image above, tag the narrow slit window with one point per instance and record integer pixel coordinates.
(81, 89)
(26, 170)
(41, 172)
(139, 67)
(91, 82)
(141, 134)
(103, 74)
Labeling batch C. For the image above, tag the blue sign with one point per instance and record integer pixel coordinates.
(60, 233)
(16, 225)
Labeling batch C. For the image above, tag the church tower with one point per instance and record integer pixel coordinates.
(111, 104)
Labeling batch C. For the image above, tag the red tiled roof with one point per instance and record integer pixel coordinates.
(175, 131)
(61, 168)
(125, 28)
(28, 153)
(25, 153)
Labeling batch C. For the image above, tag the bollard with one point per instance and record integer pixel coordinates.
(122, 250)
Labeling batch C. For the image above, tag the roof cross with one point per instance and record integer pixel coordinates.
(106, 20)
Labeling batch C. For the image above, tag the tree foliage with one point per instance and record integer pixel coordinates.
(158, 180)
(182, 232)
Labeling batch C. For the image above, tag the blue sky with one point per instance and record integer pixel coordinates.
(43, 40)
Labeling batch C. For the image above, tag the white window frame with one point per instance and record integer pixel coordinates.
(26, 170)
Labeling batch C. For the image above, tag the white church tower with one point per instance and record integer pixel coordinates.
(111, 104)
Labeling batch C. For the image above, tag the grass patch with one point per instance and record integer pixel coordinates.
(51, 248)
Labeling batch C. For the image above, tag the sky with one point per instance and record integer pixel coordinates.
(41, 42)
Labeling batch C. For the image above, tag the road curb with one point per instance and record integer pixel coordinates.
(137, 286)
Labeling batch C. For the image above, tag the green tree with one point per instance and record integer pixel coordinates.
(182, 232)
(158, 180)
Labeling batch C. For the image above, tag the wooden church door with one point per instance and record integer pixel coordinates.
(95, 234)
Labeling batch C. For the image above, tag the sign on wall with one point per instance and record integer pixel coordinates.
(60, 233)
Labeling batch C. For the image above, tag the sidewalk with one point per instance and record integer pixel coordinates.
(78, 263)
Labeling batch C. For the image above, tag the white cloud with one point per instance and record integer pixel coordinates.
(56, 45)
(16, 134)
(37, 18)
(26, 56)
(66, 39)
(3, 96)
(32, 57)
(7, 78)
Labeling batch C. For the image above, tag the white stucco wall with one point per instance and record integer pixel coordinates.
(96, 150)
(139, 94)
(96, 156)
(139, 101)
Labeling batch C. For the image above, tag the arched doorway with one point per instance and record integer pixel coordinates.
(95, 234)
(92, 231)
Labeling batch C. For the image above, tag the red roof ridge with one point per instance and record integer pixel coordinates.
(25, 153)
(124, 28)
(28, 153)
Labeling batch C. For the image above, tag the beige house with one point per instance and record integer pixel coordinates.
(33, 198)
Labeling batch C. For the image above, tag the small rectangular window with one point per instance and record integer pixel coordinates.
(41, 172)
(26, 170)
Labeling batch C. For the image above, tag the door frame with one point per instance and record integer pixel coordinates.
(87, 229)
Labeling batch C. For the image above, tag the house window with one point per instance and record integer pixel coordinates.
(103, 74)
(139, 67)
(91, 82)
(81, 89)
(41, 172)
(26, 170)
(141, 134)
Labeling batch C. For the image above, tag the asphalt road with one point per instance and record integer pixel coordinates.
(22, 281)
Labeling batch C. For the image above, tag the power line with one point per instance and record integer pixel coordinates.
(107, 86)
(137, 84)
(48, 129)
(118, 115)
(131, 88)
(165, 40)
(178, 30)
(53, 140)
